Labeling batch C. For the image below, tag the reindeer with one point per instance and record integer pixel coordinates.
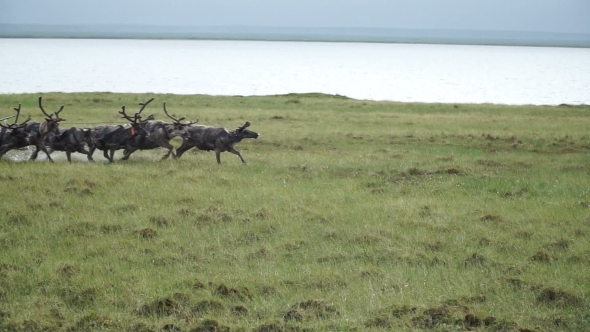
(215, 139)
(160, 135)
(70, 140)
(95, 134)
(15, 135)
(112, 138)
(39, 131)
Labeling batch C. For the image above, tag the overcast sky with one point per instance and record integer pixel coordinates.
(506, 15)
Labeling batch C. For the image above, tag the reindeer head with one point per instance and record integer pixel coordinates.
(15, 125)
(178, 128)
(51, 123)
(242, 132)
(137, 125)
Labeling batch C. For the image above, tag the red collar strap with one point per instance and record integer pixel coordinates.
(133, 133)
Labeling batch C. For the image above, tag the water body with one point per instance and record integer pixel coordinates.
(373, 71)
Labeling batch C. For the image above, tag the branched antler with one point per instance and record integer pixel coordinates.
(17, 113)
(143, 105)
(50, 117)
(15, 124)
(41, 107)
(124, 115)
(246, 125)
(177, 121)
(170, 116)
(57, 118)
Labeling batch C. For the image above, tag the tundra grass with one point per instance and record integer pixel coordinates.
(351, 216)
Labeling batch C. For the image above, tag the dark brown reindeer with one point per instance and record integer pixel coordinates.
(160, 134)
(69, 141)
(15, 135)
(39, 131)
(215, 139)
(95, 134)
(109, 139)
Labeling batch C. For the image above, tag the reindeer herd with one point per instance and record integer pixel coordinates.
(139, 134)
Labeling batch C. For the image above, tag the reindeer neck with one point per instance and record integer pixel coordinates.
(235, 136)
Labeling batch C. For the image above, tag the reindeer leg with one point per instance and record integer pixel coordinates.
(182, 149)
(83, 150)
(127, 153)
(69, 154)
(105, 152)
(34, 154)
(44, 149)
(90, 153)
(170, 148)
(218, 156)
(112, 157)
(237, 153)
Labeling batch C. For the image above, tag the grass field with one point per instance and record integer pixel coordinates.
(351, 216)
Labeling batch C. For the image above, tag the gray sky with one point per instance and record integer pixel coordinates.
(507, 15)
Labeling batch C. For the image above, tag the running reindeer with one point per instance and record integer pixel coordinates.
(38, 132)
(215, 139)
(13, 136)
(112, 138)
(30, 133)
(160, 135)
(70, 140)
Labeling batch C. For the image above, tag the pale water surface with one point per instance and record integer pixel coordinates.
(396, 72)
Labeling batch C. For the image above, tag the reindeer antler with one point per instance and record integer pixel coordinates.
(124, 115)
(170, 116)
(24, 122)
(246, 125)
(57, 118)
(50, 117)
(143, 105)
(17, 113)
(41, 107)
(15, 124)
(177, 121)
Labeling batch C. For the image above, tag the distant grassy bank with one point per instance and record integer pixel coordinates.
(351, 216)
(374, 35)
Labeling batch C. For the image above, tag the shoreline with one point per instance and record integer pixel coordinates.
(294, 95)
(339, 35)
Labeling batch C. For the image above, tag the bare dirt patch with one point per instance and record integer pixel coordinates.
(230, 292)
(208, 306)
(310, 309)
(559, 298)
(210, 325)
(474, 260)
(160, 308)
(543, 257)
(147, 233)
(161, 221)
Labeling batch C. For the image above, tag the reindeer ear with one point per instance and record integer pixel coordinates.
(246, 125)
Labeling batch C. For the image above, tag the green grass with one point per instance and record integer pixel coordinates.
(351, 216)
